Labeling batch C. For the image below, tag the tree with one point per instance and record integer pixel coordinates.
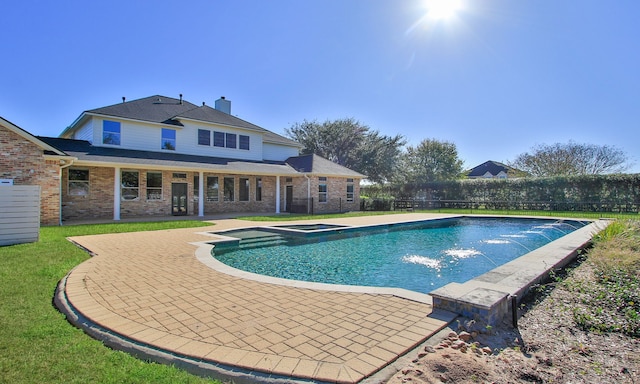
(431, 160)
(349, 143)
(571, 159)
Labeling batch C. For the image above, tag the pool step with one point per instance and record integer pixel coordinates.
(262, 242)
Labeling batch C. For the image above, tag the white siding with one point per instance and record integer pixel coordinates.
(85, 132)
(20, 214)
(148, 138)
(278, 152)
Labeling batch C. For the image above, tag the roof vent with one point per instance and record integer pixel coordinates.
(123, 99)
(181, 99)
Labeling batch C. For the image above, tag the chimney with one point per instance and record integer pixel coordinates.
(223, 105)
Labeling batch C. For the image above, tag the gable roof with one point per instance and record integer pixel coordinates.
(320, 166)
(165, 110)
(48, 149)
(492, 167)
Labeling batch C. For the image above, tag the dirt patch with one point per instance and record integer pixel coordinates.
(546, 347)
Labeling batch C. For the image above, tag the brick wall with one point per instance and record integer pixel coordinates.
(98, 203)
(336, 194)
(25, 163)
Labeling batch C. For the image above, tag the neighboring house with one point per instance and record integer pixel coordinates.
(492, 170)
(164, 156)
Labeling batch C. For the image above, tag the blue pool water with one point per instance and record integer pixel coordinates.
(416, 256)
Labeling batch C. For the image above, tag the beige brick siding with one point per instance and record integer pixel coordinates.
(25, 163)
(99, 202)
(336, 194)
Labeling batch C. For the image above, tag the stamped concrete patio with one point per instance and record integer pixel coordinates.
(148, 293)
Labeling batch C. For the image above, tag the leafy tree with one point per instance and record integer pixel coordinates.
(431, 160)
(571, 159)
(349, 143)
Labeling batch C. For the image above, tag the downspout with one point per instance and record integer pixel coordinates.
(62, 166)
(308, 192)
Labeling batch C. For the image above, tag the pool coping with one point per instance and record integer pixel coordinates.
(493, 296)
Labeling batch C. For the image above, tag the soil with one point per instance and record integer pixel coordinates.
(546, 347)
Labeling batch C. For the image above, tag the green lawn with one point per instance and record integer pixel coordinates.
(571, 214)
(37, 344)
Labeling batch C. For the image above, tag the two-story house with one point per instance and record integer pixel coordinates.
(165, 156)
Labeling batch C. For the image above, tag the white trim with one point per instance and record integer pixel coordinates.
(201, 194)
(277, 194)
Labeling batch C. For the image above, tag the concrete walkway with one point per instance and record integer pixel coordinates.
(147, 293)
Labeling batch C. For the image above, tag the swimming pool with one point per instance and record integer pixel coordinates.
(419, 256)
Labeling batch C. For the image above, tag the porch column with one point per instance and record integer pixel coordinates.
(116, 194)
(277, 194)
(201, 194)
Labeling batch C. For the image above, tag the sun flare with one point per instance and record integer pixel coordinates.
(442, 9)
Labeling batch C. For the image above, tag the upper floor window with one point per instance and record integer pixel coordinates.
(110, 132)
(168, 139)
(218, 139)
(154, 185)
(78, 182)
(130, 185)
(322, 189)
(244, 142)
(230, 140)
(204, 137)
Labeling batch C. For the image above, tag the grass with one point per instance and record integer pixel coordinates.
(612, 304)
(567, 214)
(37, 344)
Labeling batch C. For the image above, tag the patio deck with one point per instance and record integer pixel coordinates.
(148, 293)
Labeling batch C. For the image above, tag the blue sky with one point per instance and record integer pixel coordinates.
(497, 78)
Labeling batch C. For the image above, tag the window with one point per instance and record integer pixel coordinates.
(244, 189)
(204, 137)
(196, 187)
(78, 182)
(350, 190)
(218, 139)
(168, 139)
(230, 140)
(179, 175)
(154, 185)
(258, 189)
(212, 188)
(130, 182)
(322, 189)
(110, 132)
(228, 188)
(244, 142)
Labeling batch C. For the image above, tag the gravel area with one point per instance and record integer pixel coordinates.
(546, 347)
